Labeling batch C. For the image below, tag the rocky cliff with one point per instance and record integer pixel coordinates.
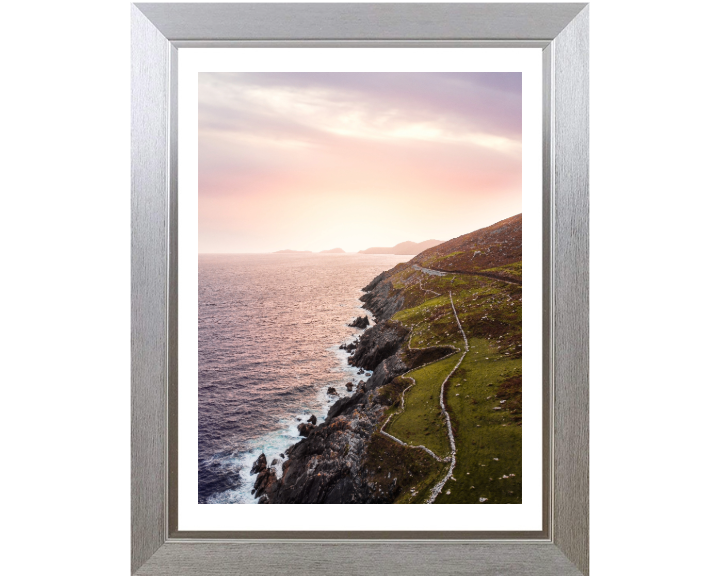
(330, 465)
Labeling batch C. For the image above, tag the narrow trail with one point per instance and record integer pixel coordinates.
(434, 493)
(440, 485)
(429, 271)
(491, 275)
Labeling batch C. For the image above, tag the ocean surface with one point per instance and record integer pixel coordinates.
(269, 331)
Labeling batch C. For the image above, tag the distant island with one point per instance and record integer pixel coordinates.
(404, 248)
(410, 248)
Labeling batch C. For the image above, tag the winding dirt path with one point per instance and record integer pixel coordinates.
(491, 275)
(435, 492)
(402, 402)
(437, 489)
(440, 485)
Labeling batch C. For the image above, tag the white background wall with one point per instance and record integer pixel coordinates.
(65, 223)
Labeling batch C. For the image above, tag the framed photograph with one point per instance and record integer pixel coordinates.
(335, 210)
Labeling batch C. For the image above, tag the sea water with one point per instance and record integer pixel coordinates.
(269, 331)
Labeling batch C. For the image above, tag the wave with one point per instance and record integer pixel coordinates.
(267, 352)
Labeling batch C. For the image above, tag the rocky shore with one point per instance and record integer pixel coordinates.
(330, 465)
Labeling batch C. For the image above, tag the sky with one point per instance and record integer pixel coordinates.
(315, 161)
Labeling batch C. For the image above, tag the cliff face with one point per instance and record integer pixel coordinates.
(346, 459)
(383, 301)
(329, 466)
(378, 343)
(326, 467)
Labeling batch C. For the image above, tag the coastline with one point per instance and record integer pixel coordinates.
(472, 437)
(271, 328)
(327, 465)
(287, 436)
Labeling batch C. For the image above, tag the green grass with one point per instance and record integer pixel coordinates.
(492, 310)
(421, 423)
(514, 270)
(491, 315)
(433, 321)
(446, 256)
(483, 433)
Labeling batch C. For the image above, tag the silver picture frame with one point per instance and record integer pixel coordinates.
(158, 32)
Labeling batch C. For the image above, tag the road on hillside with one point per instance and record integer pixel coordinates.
(491, 275)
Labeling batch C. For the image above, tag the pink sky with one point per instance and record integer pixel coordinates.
(314, 161)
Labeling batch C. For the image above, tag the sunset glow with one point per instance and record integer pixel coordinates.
(314, 161)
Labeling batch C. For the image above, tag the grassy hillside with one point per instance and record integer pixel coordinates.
(482, 273)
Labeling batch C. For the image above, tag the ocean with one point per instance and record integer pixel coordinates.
(269, 331)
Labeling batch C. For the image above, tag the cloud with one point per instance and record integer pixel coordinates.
(266, 138)
(487, 103)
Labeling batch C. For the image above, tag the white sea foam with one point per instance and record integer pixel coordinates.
(260, 364)
(277, 442)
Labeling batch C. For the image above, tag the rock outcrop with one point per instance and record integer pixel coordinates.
(266, 478)
(305, 428)
(349, 347)
(360, 322)
(327, 466)
(383, 301)
(259, 465)
(377, 343)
